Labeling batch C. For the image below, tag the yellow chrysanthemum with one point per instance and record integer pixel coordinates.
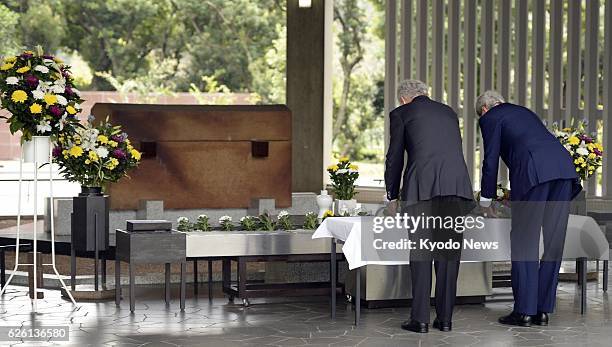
(50, 99)
(76, 151)
(102, 139)
(35, 108)
(65, 152)
(112, 163)
(87, 161)
(592, 155)
(573, 140)
(28, 52)
(333, 168)
(343, 159)
(328, 213)
(599, 147)
(10, 60)
(23, 69)
(19, 96)
(135, 154)
(353, 167)
(93, 156)
(7, 66)
(70, 109)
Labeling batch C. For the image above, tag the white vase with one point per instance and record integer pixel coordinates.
(324, 201)
(37, 150)
(344, 207)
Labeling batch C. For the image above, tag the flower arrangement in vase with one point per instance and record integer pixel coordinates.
(310, 221)
(225, 222)
(284, 220)
(94, 155)
(38, 91)
(183, 224)
(248, 223)
(202, 223)
(586, 152)
(343, 176)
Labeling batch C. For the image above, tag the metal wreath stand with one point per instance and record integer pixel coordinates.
(38, 158)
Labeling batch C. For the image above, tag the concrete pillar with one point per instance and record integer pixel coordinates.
(309, 90)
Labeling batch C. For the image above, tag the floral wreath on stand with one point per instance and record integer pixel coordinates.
(38, 90)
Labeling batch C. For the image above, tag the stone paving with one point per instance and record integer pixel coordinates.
(298, 322)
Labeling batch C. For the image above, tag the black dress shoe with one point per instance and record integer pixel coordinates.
(514, 318)
(540, 319)
(442, 326)
(416, 326)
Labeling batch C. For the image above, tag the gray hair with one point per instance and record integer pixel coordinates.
(410, 89)
(488, 99)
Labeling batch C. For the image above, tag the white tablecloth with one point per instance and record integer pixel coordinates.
(584, 238)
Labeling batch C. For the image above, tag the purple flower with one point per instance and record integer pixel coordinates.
(117, 138)
(586, 139)
(69, 91)
(55, 110)
(57, 150)
(597, 151)
(46, 56)
(31, 81)
(119, 154)
(26, 55)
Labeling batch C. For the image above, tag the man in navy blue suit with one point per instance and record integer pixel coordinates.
(543, 181)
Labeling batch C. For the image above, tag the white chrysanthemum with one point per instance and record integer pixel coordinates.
(12, 80)
(342, 171)
(182, 220)
(202, 216)
(225, 219)
(58, 89)
(41, 68)
(582, 151)
(500, 193)
(61, 100)
(76, 91)
(283, 213)
(243, 218)
(102, 152)
(38, 94)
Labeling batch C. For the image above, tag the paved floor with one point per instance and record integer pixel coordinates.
(299, 322)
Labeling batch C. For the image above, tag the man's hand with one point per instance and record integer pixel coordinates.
(392, 208)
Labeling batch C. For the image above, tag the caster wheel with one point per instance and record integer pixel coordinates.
(245, 302)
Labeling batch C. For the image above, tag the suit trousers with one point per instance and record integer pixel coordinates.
(544, 208)
(446, 262)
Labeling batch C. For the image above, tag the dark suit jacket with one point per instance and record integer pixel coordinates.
(429, 133)
(533, 155)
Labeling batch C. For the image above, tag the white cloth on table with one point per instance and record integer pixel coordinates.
(584, 238)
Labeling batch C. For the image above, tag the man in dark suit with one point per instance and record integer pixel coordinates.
(543, 181)
(435, 182)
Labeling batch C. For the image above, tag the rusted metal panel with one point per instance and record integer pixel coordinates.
(201, 156)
